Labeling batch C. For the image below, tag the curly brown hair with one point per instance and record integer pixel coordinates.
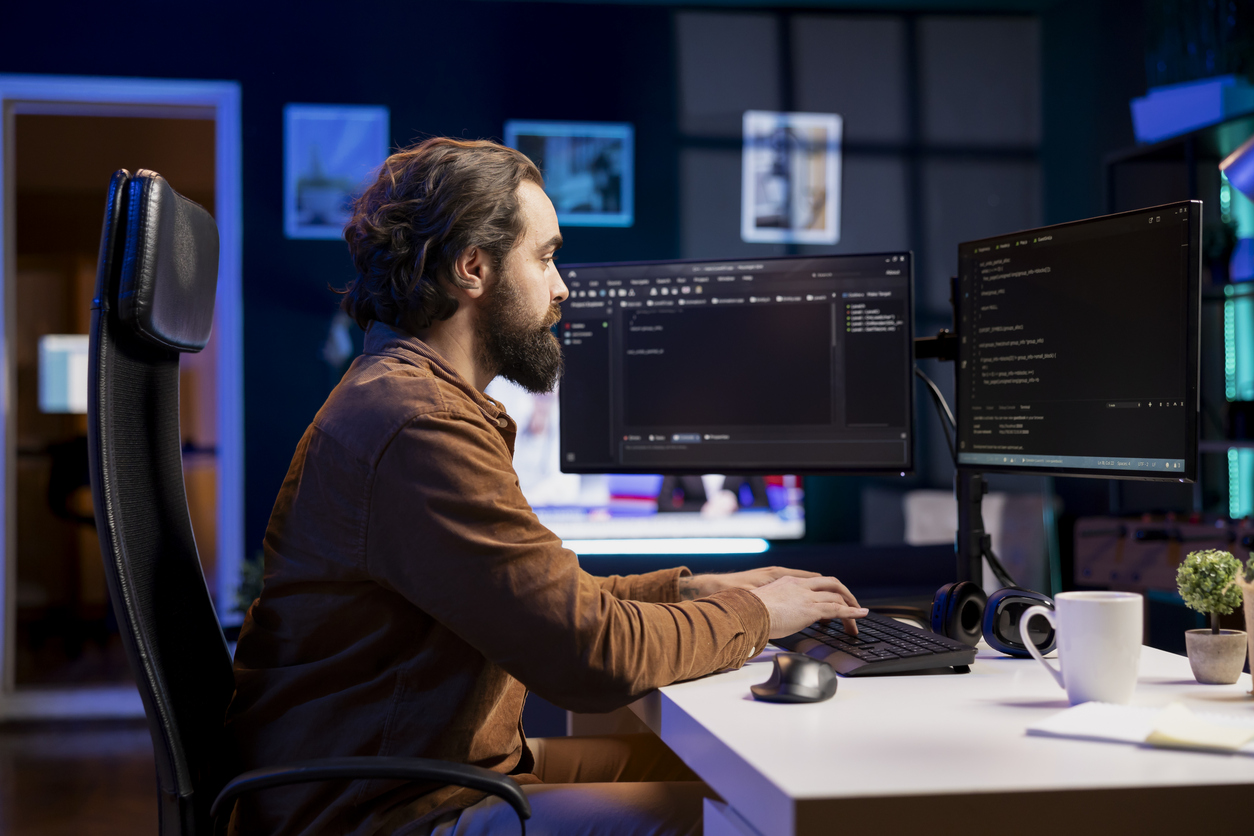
(430, 203)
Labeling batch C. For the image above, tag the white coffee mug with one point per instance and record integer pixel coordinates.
(1099, 643)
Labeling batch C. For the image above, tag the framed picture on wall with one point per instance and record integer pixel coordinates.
(587, 166)
(790, 183)
(329, 152)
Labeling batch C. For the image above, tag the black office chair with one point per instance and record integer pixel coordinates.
(154, 299)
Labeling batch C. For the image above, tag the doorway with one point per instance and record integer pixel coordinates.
(62, 651)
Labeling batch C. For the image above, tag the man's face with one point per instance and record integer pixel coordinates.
(523, 302)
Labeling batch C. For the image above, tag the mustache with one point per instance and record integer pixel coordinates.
(554, 316)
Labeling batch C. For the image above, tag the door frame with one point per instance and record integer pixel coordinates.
(161, 98)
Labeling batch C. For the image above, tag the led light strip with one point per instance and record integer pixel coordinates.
(677, 545)
(1240, 482)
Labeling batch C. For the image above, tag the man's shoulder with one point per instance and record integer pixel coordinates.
(380, 394)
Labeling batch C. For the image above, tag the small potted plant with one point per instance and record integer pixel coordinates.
(1208, 583)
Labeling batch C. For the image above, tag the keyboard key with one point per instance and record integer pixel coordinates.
(885, 642)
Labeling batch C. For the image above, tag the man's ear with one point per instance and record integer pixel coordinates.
(472, 271)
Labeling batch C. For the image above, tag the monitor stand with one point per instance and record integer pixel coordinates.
(972, 541)
(969, 486)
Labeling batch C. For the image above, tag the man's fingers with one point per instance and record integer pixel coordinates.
(831, 584)
(823, 597)
(833, 609)
(849, 597)
(781, 572)
(839, 610)
(847, 613)
(792, 597)
(844, 590)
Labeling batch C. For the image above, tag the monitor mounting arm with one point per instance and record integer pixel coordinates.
(972, 543)
(943, 347)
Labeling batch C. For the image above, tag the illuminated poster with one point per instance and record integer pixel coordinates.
(587, 168)
(790, 185)
(329, 152)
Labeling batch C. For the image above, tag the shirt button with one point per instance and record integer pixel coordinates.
(502, 422)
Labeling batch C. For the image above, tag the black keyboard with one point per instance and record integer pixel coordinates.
(883, 645)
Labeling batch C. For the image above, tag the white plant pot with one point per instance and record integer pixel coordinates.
(1247, 596)
(1216, 658)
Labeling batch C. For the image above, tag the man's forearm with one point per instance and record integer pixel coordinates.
(660, 587)
(693, 587)
(690, 588)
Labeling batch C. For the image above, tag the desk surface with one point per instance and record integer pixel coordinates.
(882, 740)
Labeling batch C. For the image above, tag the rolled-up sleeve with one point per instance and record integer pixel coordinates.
(660, 587)
(449, 529)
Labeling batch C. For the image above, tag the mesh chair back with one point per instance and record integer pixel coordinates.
(154, 298)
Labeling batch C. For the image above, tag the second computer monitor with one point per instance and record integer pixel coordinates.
(1078, 347)
(774, 365)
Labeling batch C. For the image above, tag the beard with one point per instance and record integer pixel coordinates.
(515, 346)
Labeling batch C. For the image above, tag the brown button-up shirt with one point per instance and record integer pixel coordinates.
(412, 598)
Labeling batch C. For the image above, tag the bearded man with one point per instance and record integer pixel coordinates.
(411, 596)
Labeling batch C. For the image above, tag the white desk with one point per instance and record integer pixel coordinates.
(946, 754)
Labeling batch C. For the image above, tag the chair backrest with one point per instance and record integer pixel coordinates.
(154, 298)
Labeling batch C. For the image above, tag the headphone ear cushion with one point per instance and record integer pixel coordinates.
(1001, 620)
(940, 601)
(958, 611)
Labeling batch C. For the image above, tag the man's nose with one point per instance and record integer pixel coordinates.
(558, 289)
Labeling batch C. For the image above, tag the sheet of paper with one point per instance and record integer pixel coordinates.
(1175, 726)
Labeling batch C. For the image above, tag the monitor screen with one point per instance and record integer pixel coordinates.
(63, 365)
(746, 367)
(639, 506)
(1078, 347)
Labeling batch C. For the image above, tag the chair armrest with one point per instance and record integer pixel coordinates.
(409, 769)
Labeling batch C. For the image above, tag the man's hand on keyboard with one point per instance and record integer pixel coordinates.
(795, 603)
(700, 586)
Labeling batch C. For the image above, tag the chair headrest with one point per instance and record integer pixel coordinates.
(170, 267)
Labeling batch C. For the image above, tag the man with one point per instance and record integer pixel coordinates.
(411, 596)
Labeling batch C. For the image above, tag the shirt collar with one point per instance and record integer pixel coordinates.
(385, 339)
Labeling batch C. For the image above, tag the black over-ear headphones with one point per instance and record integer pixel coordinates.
(964, 613)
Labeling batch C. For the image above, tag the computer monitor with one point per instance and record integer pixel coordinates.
(749, 366)
(1078, 347)
(63, 365)
(622, 513)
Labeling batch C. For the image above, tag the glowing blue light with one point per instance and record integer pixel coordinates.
(1230, 349)
(1225, 199)
(1243, 326)
(686, 545)
(1238, 168)
(1240, 482)
(1238, 346)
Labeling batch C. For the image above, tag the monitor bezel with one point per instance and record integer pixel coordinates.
(1192, 366)
(907, 470)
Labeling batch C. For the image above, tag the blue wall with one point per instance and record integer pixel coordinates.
(460, 69)
(463, 68)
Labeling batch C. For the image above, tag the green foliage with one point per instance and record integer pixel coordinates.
(1207, 581)
(1249, 570)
